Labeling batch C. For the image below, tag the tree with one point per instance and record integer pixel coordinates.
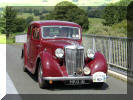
(42, 17)
(28, 20)
(37, 12)
(10, 16)
(95, 12)
(68, 11)
(20, 24)
(2, 22)
(130, 20)
(116, 12)
(130, 11)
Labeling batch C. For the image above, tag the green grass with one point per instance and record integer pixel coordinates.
(11, 38)
(95, 21)
(25, 15)
(97, 27)
(2, 38)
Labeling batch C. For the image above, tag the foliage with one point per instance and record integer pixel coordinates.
(130, 11)
(95, 12)
(130, 20)
(10, 16)
(13, 23)
(32, 9)
(2, 23)
(42, 17)
(20, 24)
(68, 11)
(2, 39)
(11, 39)
(115, 13)
(97, 28)
(37, 12)
(28, 20)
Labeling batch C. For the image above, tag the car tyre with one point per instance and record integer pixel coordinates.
(42, 83)
(24, 68)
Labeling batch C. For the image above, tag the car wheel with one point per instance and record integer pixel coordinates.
(42, 83)
(98, 85)
(24, 69)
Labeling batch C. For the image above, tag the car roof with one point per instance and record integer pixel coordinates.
(54, 22)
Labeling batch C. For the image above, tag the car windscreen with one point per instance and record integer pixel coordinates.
(61, 32)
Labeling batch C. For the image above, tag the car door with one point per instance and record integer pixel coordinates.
(35, 44)
(29, 49)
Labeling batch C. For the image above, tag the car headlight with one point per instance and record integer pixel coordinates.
(59, 52)
(90, 53)
(86, 70)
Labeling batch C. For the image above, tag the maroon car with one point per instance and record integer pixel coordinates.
(54, 52)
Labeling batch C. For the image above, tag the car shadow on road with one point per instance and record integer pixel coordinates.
(58, 87)
(34, 77)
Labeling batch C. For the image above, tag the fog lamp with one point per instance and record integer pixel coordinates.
(86, 70)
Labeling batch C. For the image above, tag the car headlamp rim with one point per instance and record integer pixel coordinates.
(59, 53)
(90, 53)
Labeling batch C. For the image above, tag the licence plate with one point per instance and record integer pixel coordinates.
(99, 77)
(77, 82)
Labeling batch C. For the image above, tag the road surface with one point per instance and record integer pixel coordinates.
(24, 83)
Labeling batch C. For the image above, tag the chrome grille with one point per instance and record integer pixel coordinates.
(74, 58)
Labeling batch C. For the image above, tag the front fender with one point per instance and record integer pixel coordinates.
(50, 66)
(98, 64)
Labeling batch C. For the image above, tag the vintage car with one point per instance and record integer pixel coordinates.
(54, 52)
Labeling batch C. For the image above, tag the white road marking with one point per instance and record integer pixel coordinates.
(10, 88)
(2, 70)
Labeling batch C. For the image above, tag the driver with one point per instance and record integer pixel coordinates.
(63, 32)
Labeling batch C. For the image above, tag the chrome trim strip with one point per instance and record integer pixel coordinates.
(68, 78)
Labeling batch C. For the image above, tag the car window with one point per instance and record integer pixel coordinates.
(30, 30)
(36, 31)
(60, 32)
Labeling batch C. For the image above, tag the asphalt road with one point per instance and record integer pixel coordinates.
(24, 83)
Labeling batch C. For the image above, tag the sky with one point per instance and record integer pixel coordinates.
(53, 2)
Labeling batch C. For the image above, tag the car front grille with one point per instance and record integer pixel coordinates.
(74, 58)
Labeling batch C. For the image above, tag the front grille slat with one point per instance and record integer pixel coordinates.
(74, 58)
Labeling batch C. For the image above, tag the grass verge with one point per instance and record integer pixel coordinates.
(2, 39)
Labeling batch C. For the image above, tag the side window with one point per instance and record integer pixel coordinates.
(29, 30)
(29, 33)
(36, 31)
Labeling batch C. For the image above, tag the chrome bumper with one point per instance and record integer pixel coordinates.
(68, 78)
